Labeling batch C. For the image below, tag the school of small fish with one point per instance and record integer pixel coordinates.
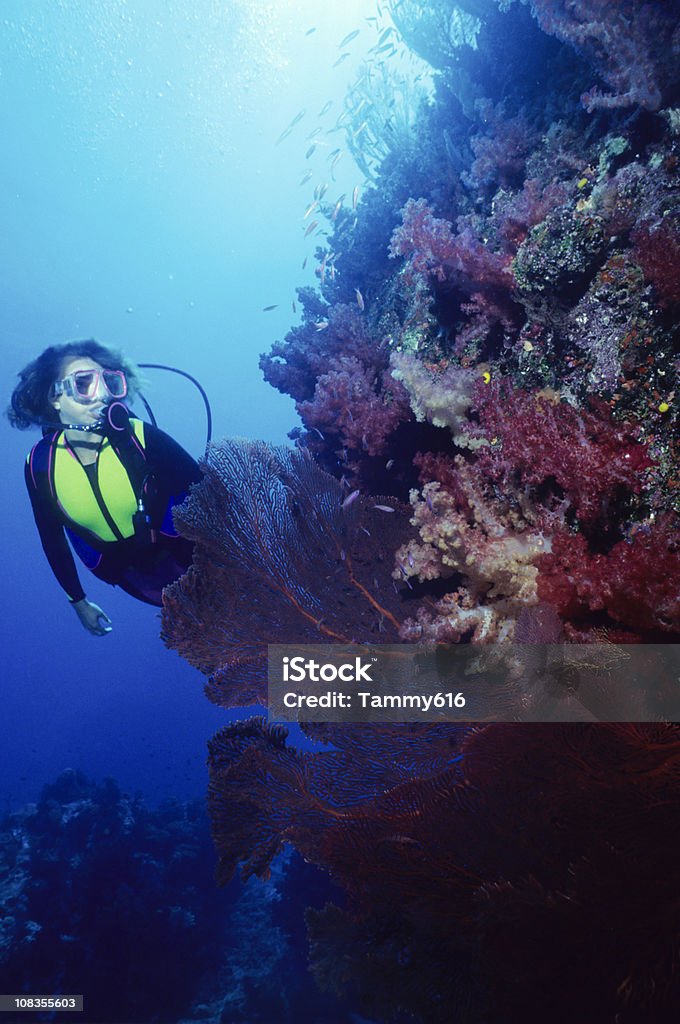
(383, 48)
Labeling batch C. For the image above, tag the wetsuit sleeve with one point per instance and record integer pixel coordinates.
(54, 542)
(173, 469)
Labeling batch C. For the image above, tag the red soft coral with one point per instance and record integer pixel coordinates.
(637, 583)
(630, 43)
(537, 441)
(350, 400)
(656, 247)
(431, 248)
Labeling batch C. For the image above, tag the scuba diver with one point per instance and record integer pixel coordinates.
(101, 477)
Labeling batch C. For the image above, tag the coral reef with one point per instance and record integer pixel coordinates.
(529, 310)
(97, 889)
(630, 44)
(476, 862)
(495, 338)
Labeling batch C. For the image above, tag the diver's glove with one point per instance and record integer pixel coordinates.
(93, 618)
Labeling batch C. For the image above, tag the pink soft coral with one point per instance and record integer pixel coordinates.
(537, 441)
(352, 400)
(637, 583)
(433, 249)
(630, 43)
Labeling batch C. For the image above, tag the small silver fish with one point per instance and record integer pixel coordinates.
(351, 498)
(348, 38)
(384, 508)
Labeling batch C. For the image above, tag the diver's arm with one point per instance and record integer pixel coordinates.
(174, 469)
(55, 545)
(60, 557)
(173, 472)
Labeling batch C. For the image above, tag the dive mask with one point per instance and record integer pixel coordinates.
(83, 385)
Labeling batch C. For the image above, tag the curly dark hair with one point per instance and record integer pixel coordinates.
(30, 405)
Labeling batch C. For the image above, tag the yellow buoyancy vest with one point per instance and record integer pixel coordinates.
(77, 496)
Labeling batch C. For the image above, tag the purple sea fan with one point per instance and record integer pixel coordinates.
(280, 558)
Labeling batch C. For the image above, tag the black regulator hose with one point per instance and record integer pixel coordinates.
(196, 383)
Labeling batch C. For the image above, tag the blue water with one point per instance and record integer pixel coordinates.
(146, 204)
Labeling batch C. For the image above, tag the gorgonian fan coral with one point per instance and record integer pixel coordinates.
(284, 554)
(474, 862)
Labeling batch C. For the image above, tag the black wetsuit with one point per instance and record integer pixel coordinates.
(140, 566)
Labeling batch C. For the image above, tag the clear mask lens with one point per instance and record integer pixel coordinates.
(115, 383)
(83, 385)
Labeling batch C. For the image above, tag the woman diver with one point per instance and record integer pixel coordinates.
(101, 477)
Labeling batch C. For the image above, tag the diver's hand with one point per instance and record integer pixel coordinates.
(92, 617)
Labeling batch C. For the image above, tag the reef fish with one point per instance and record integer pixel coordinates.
(298, 117)
(348, 38)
